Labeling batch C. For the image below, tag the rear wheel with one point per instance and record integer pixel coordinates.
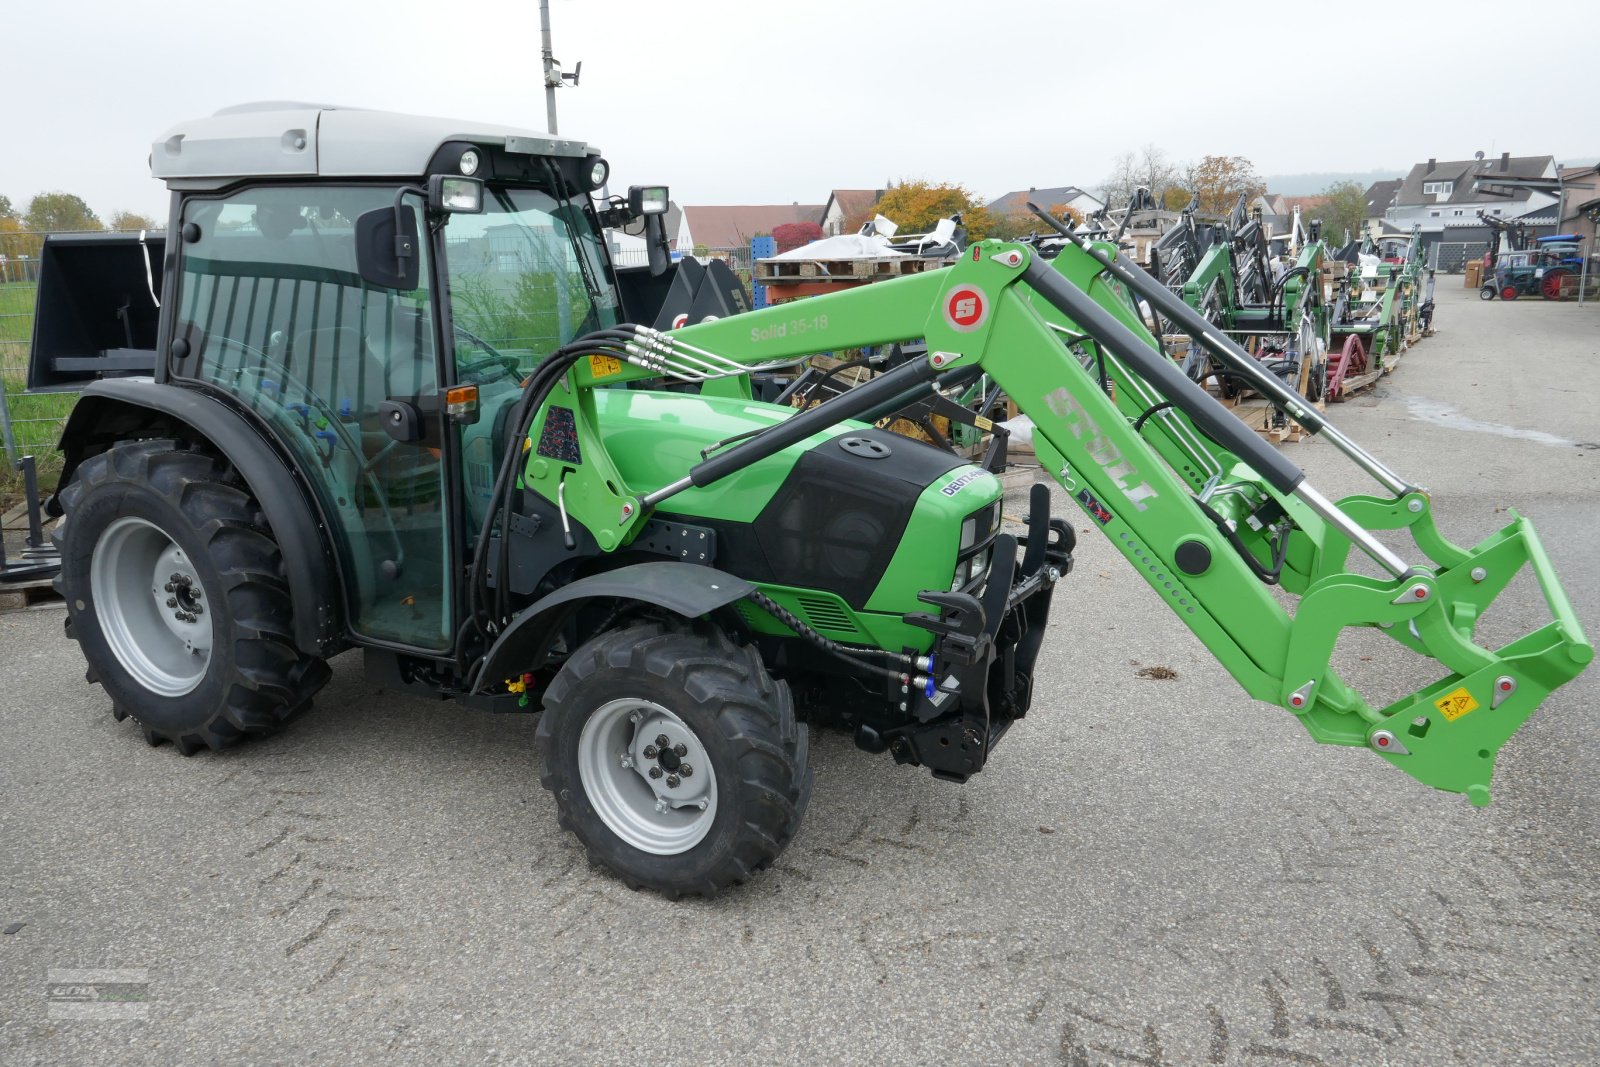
(1550, 284)
(675, 758)
(173, 590)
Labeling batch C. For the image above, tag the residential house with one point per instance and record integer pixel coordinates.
(1580, 202)
(845, 205)
(1444, 198)
(732, 226)
(1016, 203)
(1379, 196)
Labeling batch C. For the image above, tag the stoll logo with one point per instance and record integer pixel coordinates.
(965, 308)
(97, 994)
(1099, 447)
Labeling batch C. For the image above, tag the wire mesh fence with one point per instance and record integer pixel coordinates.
(1450, 257)
(29, 424)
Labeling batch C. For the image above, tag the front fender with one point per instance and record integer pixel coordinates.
(686, 589)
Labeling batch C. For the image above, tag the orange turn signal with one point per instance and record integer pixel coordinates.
(461, 399)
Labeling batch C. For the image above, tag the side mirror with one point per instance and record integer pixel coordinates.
(655, 244)
(386, 248)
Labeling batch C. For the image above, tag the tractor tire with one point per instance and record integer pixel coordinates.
(1550, 284)
(1486, 292)
(172, 585)
(715, 802)
(1508, 292)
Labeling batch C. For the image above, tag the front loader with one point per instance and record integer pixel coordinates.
(393, 401)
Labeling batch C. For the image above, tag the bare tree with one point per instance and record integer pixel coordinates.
(1148, 168)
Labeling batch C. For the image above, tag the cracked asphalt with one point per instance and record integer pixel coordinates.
(1151, 871)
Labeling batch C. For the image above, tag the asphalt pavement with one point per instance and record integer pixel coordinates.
(1150, 871)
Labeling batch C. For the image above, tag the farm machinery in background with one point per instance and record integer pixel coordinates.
(1551, 267)
(1263, 291)
(1382, 303)
(963, 420)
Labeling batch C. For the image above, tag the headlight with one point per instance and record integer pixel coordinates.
(647, 199)
(455, 195)
(469, 162)
(969, 533)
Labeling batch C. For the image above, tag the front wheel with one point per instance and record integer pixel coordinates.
(1486, 293)
(675, 758)
(173, 591)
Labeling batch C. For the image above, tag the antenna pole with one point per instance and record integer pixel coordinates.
(552, 77)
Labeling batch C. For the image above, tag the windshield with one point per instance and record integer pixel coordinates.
(526, 276)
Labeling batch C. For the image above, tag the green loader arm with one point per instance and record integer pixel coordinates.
(1208, 513)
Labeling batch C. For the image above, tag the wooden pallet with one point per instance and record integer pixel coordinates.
(1258, 414)
(780, 271)
(34, 593)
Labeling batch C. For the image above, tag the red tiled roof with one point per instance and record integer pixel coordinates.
(732, 226)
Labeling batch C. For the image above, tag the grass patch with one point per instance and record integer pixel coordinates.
(36, 421)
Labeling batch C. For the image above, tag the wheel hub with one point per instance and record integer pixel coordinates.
(648, 776)
(151, 607)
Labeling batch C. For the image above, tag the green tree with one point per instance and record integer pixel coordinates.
(1344, 210)
(917, 206)
(7, 212)
(1219, 181)
(130, 221)
(59, 212)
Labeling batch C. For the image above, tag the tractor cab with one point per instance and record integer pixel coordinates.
(385, 375)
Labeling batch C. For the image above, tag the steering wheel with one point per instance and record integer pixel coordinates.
(474, 369)
(336, 432)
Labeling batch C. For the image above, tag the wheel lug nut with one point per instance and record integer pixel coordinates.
(198, 610)
(168, 587)
(685, 769)
(172, 601)
(650, 752)
(672, 781)
(655, 772)
(681, 749)
(663, 740)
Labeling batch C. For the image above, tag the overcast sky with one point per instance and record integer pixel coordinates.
(772, 102)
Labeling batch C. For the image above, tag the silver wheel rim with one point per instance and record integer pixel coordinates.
(666, 813)
(152, 609)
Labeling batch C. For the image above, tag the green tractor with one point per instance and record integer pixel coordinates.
(380, 386)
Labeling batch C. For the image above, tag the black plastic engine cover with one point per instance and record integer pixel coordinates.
(839, 517)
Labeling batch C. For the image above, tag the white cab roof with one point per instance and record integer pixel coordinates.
(283, 139)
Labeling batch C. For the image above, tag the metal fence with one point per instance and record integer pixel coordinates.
(1450, 257)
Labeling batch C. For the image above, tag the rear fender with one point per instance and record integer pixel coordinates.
(116, 409)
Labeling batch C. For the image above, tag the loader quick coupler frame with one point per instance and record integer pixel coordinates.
(1206, 511)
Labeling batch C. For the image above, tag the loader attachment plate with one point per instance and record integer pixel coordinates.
(1448, 734)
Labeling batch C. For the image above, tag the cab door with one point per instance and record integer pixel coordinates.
(271, 310)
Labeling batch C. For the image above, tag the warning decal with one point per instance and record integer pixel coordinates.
(1454, 705)
(1096, 510)
(604, 366)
